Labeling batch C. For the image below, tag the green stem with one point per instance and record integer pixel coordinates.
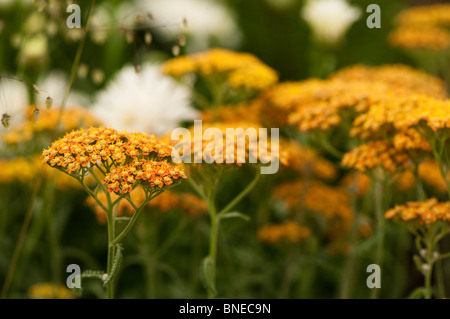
(75, 65)
(378, 192)
(214, 233)
(20, 242)
(239, 197)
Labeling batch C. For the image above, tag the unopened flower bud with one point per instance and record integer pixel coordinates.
(5, 120)
(36, 114)
(176, 50)
(148, 38)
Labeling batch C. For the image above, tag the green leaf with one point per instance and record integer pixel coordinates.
(207, 276)
(418, 293)
(236, 215)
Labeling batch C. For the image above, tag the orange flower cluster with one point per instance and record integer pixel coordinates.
(189, 203)
(125, 158)
(150, 173)
(71, 119)
(307, 162)
(24, 170)
(426, 212)
(336, 208)
(289, 231)
(226, 148)
(425, 37)
(233, 113)
(423, 27)
(371, 155)
(400, 76)
(401, 113)
(241, 69)
(356, 182)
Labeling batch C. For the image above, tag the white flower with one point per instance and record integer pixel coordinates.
(206, 20)
(330, 19)
(145, 102)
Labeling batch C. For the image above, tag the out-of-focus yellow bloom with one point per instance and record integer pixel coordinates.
(49, 291)
(307, 162)
(310, 196)
(25, 170)
(405, 182)
(423, 27)
(233, 113)
(356, 182)
(398, 76)
(241, 69)
(430, 173)
(432, 38)
(289, 231)
(425, 212)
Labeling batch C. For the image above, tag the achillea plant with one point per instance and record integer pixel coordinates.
(118, 162)
(208, 158)
(222, 76)
(429, 222)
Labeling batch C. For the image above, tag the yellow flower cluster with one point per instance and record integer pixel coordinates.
(371, 155)
(423, 27)
(307, 162)
(126, 158)
(49, 291)
(241, 69)
(226, 147)
(289, 231)
(71, 119)
(425, 37)
(26, 171)
(190, 203)
(336, 208)
(425, 212)
(400, 76)
(401, 113)
(233, 113)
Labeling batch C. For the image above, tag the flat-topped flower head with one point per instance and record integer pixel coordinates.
(426, 212)
(242, 70)
(123, 158)
(230, 143)
(377, 154)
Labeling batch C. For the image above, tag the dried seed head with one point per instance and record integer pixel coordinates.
(137, 68)
(36, 89)
(176, 50)
(129, 36)
(36, 114)
(150, 16)
(6, 120)
(138, 18)
(185, 23)
(182, 41)
(148, 38)
(48, 102)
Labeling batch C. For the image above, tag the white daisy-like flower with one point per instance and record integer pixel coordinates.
(206, 20)
(144, 102)
(330, 19)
